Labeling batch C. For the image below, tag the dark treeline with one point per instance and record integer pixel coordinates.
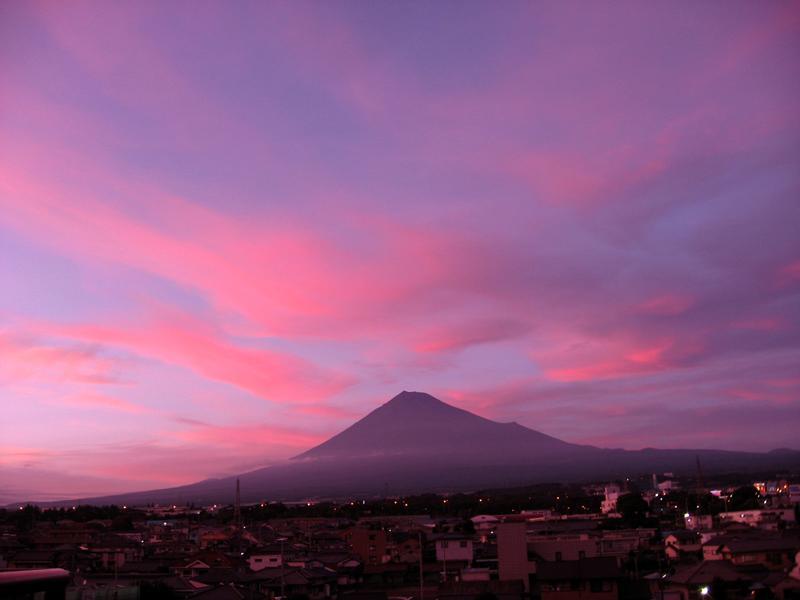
(559, 498)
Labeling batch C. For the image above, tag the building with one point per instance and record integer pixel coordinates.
(755, 547)
(679, 544)
(586, 579)
(588, 543)
(611, 494)
(514, 562)
(694, 581)
(266, 557)
(369, 544)
(454, 547)
(770, 518)
(698, 522)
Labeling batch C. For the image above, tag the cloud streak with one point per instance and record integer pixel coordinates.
(270, 221)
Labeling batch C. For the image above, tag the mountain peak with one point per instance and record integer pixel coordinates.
(417, 397)
(414, 423)
(415, 401)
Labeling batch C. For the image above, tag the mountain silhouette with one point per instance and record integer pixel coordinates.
(415, 423)
(417, 443)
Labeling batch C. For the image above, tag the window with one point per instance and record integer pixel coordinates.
(558, 556)
(463, 544)
(444, 544)
(581, 554)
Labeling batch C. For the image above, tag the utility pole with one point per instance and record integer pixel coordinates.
(444, 558)
(283, 570)
(237, 508)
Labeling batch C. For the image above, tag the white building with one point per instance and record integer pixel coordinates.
(454, 547)
(259, 560)
(611, 494)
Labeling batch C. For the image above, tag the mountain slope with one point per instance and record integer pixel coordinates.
(414, 423)
(416, 443)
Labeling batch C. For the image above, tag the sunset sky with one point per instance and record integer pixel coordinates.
(228, 230)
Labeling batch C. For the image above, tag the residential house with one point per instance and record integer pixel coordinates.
(694, 581)
(454, 547)
(369, 544)
(265, 557)
(681, 543)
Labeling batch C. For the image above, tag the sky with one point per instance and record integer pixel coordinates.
(229, 230)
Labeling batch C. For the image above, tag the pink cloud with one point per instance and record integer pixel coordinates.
(667, 304)
(760, 324)
(326, 411)
(30, 359)
(294, 281)
(789, 274)
(178, 339)
(621, 358)
(146, 79)
(256, 438)
(22, 455)
(585, 180)
(297, 211)
(102, 401)
(463, 334)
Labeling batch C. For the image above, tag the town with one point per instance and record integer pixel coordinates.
(656, 537)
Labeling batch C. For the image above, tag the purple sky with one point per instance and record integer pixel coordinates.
(228, 230)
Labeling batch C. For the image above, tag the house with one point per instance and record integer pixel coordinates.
(698, 522)
(678, 544)
(454, 547)
(405, 549)
(587, 543)
(369, 544)
(783, 586)
(193, 569)
(266, 557)
(773, 552)
(348, 572)
(595, 578)
(316, 584)
(694, 581)
(762, 518)
(484, 523)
